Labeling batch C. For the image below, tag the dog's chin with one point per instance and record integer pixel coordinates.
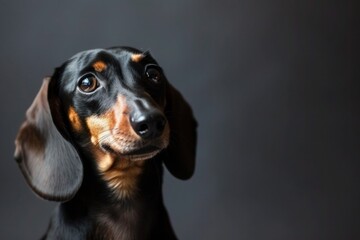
(137, 154)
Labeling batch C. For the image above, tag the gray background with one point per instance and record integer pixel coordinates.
(274, 85)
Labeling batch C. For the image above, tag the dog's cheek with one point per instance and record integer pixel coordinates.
(75, 120)
(99, 127)
(96, 126)
(99, 130)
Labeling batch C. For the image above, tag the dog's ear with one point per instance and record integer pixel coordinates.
(180, 159)
(50, 164)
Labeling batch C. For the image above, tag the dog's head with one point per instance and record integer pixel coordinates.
(114, 107)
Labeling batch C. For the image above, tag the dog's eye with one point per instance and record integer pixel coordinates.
(88, 83)
(153, 74)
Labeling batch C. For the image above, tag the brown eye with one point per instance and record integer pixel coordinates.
(88, 83)
(153, 74)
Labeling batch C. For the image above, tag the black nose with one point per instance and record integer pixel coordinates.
(148, 125)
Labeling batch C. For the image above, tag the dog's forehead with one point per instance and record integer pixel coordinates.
(120, 55)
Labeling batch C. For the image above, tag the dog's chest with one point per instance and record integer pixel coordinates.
(124, 224)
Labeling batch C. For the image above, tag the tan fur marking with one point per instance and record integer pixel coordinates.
(74, 119)
(99, 66)
(106, 162)
(137, 57)
(123, 177)
(98, 126)
(120, 173)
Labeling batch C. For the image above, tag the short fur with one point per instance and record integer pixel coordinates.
(86, 145)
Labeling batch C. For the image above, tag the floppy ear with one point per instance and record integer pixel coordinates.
(181, 151)
(49, 163)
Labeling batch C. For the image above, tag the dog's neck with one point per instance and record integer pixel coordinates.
(106, 216)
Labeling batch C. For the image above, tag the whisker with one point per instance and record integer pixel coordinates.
(101, 139)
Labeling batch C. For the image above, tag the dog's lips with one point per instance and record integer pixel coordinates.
(141, 153)
(143, 150)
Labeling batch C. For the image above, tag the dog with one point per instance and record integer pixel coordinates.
(96, 138)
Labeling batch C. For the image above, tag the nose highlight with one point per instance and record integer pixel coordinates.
(148, 125)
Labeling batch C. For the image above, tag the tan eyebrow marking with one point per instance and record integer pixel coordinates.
(137, 57)
(99, 66)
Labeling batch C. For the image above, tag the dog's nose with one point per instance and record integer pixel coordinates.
(148, 125)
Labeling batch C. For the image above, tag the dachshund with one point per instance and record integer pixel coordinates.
(95, 139)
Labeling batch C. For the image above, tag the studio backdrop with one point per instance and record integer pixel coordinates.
(274, 86)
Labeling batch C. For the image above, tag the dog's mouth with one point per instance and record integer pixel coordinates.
(142, 153)
(138, 154)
